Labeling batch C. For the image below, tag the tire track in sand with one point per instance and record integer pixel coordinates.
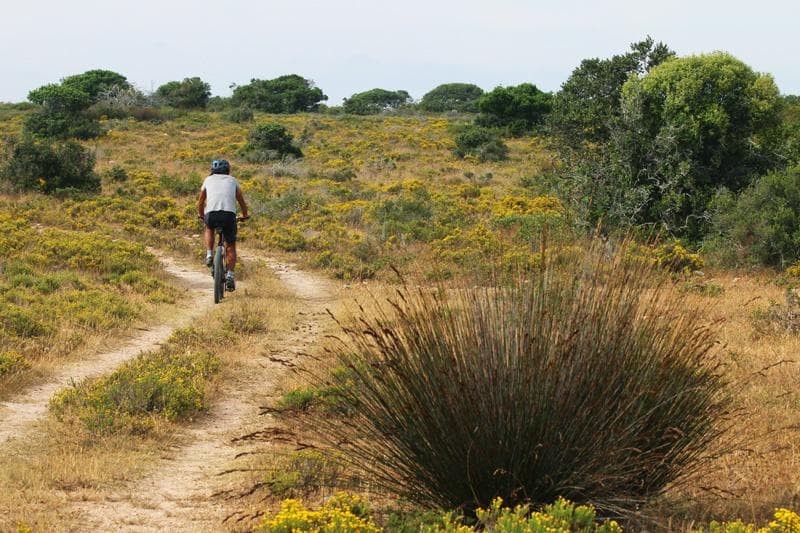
(19, 413)
(178, 493)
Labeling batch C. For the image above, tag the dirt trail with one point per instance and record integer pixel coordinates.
(19, 413)
(178, 494)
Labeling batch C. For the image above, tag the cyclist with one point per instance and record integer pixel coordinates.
(216, 206)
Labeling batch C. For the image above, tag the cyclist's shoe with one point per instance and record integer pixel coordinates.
(209, 261)
(230, 283)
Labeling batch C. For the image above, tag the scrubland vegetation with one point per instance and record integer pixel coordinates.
(595, 292)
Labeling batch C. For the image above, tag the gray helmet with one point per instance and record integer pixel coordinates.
(220, 166)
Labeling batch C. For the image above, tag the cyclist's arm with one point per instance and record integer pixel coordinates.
(201, 203)
(242, 203)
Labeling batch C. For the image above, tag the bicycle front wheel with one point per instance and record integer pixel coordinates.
(219, 276)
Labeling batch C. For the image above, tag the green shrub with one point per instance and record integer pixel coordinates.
(95, 82)
(62, 113)
(285, 94)
(11, 362)
(592, 382)
(484, 143)
(270, 141)
(375, 101)
(167, 383)
(761, 225)
(62, 125)
(462, 97)
(48, 166)
(191, 93)
(517, 109)
(239, 114)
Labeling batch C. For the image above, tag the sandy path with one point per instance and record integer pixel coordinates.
(19, 413)
(177, 495)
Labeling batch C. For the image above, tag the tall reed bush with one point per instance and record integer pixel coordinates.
(594, 382)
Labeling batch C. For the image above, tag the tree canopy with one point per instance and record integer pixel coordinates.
(189, 93)
(286, 94)
(517, 108)
(690, 126)
(462, 97)
(589, 100)
(375, 101)
(94, 82)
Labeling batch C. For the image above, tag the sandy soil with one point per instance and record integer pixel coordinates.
(18, 414)
(179, 493)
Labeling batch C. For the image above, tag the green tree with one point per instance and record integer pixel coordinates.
(47, 166)
(375, 101)
(689, 127)
(57, 98)
(187, 94)
(589, 101)
(462, 97)
(95, 82)
(518, 109)
(285, 94)
(62, 113)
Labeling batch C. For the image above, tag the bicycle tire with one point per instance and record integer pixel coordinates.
(219, 276)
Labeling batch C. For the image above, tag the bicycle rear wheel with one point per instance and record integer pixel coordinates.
(219, 276)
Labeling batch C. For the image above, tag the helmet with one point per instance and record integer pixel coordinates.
(220, 166)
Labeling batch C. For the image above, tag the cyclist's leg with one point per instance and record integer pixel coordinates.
(208, 235)
(230, 256)
(229, 229)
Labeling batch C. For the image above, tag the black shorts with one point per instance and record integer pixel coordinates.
(225, 220)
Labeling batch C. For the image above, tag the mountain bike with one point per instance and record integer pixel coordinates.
(219, 266)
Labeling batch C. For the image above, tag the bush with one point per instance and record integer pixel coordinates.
(165, 383)
(343, 512)
(62, 113)
(270, 141)
(191, 93)
(239, 114)
(375, 101)
(95, 82)
(12, 362)
(762, 225)
(285, 94)
(517, 109)
(461, 97)
(593, 382)
(483, 143)
(47, 166)
(62, 125)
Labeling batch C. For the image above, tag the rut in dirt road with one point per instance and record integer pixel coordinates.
(178, 494)
(18, 414)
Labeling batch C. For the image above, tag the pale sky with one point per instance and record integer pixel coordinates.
(349, 46)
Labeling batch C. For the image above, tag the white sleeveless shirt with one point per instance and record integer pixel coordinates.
(220, 193)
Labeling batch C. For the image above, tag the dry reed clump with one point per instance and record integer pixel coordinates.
(592, 382)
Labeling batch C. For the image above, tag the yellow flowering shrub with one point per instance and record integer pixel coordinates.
(785, 521)
(673, 257)
(169, 383)
(350, 513)
(341, 513)
(793, 271)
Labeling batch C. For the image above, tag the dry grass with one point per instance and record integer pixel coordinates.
(765, 371)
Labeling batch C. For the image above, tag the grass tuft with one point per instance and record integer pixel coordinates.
(592, 381)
